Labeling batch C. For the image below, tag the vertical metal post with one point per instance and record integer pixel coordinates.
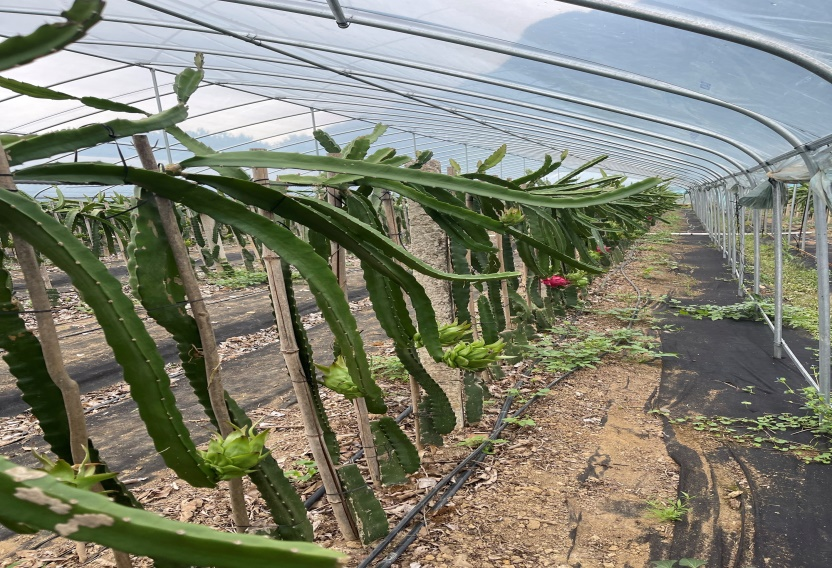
(718, 218)
(466, 158)
(741, 255)
(314, 128)
(793, 204)
(732, 241)
(756, 222)
(723, 209)
(822, 253)
(159, 106)
(415, 153)
(777, 233)
(805, 225)
(706, 207)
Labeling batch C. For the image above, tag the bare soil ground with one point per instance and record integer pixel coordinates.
(572, 490)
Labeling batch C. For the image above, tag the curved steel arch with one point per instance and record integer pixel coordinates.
(491, 45)
(503, 111)
(488, 44)
(540, 108)
(415, 65)
(712, 28)
(696, 167)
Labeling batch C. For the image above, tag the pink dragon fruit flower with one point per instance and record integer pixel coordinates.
(605, 251)
(556, 281)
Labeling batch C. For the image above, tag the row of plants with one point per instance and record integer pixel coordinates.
(564, 232)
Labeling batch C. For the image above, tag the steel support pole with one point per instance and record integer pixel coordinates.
(314, 128)
(338, 14)
(822, 254)
(756, 227)
(804, 227)
(741, 218)
(732, 231)
(792, 205)
(159, 107)
(777, 234)
(723, 219)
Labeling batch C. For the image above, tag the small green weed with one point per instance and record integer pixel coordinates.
(237, 279)
(478, 440)
(522, 422)
(800, 284)
(683, 563)
(306, 470)
(669, 511)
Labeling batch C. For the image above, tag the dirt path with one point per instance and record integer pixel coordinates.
(572, 490)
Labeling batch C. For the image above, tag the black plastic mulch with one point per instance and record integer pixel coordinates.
(790, 502)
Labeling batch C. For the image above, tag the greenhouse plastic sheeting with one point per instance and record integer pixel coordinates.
(464, 75)
(795, 170)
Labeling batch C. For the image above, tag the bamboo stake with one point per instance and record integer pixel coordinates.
(504, 283)
(415, 390)
(472, 302)
(289, 349)
(53, 358)
(203, 322)
(338, 262)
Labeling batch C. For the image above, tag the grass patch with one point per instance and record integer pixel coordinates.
(800, 284)
(237, 279)
(793, 316)
(581, 348)
(388, 367)
(669, 511)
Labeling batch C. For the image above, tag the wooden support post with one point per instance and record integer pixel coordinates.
(415, 390)
(504, 283)
(210, 353)
(338, 263)
(289, 349)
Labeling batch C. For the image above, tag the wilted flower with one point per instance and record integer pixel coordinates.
(605, 251)
(556, 281)
(512, 216)
(337, 377)
(237, 454)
